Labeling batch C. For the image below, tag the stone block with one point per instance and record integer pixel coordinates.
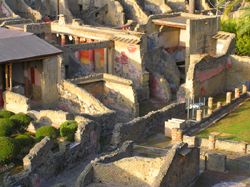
(216, 162)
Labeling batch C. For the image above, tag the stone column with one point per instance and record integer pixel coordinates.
(77, 41)
(198, 115)
(179, 134)
(91, 58)
(237, 93)
(219, 104)
(210, 106)
(63, 39)
(211, 142)
(174, 134)
(229, 97)
(191, 6)
(244, 89)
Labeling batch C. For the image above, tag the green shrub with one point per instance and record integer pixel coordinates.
(49, 131)
(5, 130)
(68, 129)
(9, 148)
(6, 114)
(21, 120)
(25, 140)
(7, 121)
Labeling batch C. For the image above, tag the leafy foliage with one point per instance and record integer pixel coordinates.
(5, 130)
(9, 148)
(25, 140)
(8, 122)
(6, 114)
(49, 131)
(21, 120)
(242, 46)
(68, 129)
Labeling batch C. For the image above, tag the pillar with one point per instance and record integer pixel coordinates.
(219, 104)
(179, 134)
(210, 106)
(244, 89)
(91, 59)
(237, 93)
(191, 6)
(110, 60)
(198, 115)
(77, 41)
(63, 39)
(211, 142)
(229, 97)
(174, 134)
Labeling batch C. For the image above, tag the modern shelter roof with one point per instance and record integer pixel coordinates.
(23, 46)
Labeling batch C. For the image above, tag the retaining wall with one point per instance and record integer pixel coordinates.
(140, 126)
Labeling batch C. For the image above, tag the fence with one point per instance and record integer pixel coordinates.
(238, 166)
(151, 152)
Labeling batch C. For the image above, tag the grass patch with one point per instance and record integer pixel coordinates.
(236, 123)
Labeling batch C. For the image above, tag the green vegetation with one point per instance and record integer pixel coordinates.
(68, 129)
(9, 148)
(6, 114)
(21, 121)
(8, 122)
(236, 125)
(5, 130)
(25, 140)
(49, 131)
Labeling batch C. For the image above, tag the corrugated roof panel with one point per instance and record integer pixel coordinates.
(8, 33)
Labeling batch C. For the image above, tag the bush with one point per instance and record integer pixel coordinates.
(25, 140)
(68, 129)
(5, 130)
(49, 131)
(6, 114)
(9, 148)
(8, 122)
(21, 120)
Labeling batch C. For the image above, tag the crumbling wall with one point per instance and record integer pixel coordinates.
(203, 78)
(133, 11)
(238, 74)
(15, 102)
(213, 161)
(41, 164)
(115, 15)
(138, 127)
(177, 5)
(156, 7)
(140, 171)
(77, 100)
(159, 87)
(25, 11)
(114, 92)
(7, 10)
(158, 60)
(63, 9)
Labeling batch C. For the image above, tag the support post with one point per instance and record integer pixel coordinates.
(10, 75)
(210, 106)
(237, 93)
(6, 77)
(63, 40)
(77, 41)
(229, 97)
(191, 6)
(219, 104)
(211, 142)
(244, 89)
(198, 115)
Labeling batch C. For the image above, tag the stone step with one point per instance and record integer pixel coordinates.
(34, 125)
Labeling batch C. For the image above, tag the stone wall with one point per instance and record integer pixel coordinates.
(140, 171)
(133, 11)
(7, 10)
(212, 161)
(26, 12)
(37, 28)
(41, 164)
(115, 15)
(138, 127)
(159, 87)
(238, 74)
(158, 60)
(156, 7)
(63, 9)
(114, 92)
(15, 102)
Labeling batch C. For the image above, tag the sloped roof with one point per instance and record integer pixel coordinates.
(17, 45)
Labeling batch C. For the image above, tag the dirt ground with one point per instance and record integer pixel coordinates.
(210, 178)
